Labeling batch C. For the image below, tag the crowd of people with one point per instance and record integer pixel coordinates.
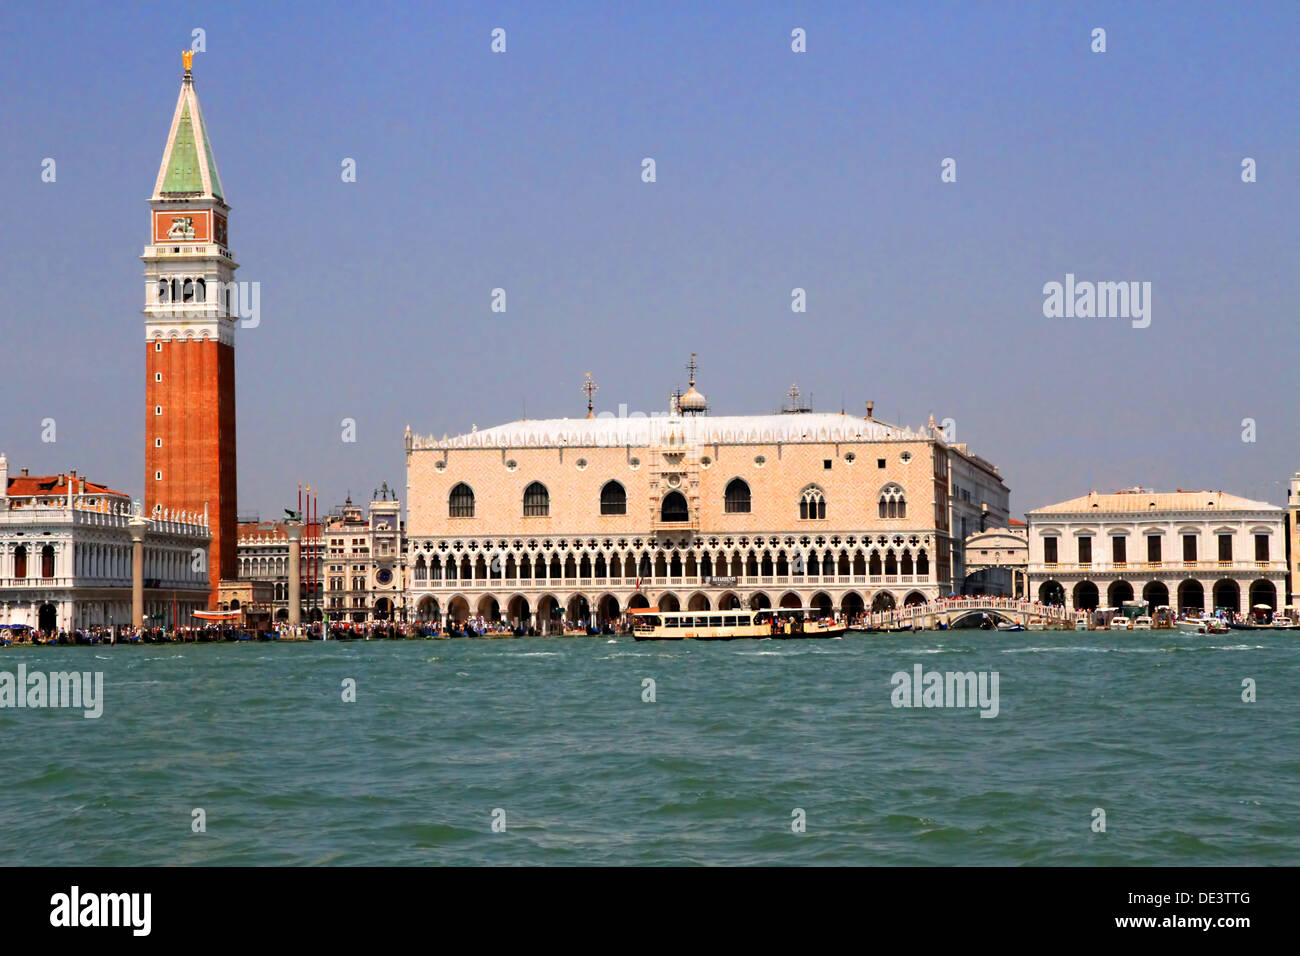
(339, 631)
(127, 635)
(483, 627)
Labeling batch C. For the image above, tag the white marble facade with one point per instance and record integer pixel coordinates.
(66, 553)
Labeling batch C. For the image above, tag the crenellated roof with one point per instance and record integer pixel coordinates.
(661, 430)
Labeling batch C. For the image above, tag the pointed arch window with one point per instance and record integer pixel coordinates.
(893, 504)
(613, 499)
(537, 501)
(736, 497)
(461, 502)
(674, 507)
(812, 504)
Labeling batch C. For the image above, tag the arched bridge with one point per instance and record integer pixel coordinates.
(949, 611)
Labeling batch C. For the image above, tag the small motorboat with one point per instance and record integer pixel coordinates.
(1010, 626)
(1142, 623)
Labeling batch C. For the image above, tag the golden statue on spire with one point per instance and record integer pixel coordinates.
(187, 57)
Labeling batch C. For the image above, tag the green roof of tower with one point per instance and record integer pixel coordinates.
(183, 174)
(189, 168)
(212, 163)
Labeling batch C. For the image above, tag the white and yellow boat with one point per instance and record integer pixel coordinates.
(651, 624)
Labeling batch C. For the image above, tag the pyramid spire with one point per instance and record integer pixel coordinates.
(188, 170)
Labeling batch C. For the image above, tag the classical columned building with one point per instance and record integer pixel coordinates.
(1190, 550)
(263, 556)
(66, 555)
(542, 521)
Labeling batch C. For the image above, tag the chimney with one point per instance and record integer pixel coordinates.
(871, 408)
(4, 476)
(24, 472)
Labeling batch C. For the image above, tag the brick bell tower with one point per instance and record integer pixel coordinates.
(190, 337)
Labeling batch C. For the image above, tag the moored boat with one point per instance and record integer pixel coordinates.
(1264, 618)
(1202, 625)
(651, 624)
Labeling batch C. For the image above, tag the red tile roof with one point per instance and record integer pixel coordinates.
(29, 486)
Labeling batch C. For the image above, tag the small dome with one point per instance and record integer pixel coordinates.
(692, 401)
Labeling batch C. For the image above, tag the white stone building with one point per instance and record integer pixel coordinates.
(1189, 550)
(264, 558)
(66, 555)
(996, 561)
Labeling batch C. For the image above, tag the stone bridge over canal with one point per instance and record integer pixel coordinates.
(948, 611)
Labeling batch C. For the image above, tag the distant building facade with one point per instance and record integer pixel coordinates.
(66, 556)
(253, 599)
(263, 554)
(1188, 550)
(536, 522)
(997, 561)
(1293, 540)
(978, 499)
(365, 566)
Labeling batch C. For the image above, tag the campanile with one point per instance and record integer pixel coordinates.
(191, 307)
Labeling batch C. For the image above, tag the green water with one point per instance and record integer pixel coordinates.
(1150, 727)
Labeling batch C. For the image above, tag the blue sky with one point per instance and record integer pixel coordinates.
(775, 170)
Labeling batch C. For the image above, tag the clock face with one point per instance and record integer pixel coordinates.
(384, 576)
